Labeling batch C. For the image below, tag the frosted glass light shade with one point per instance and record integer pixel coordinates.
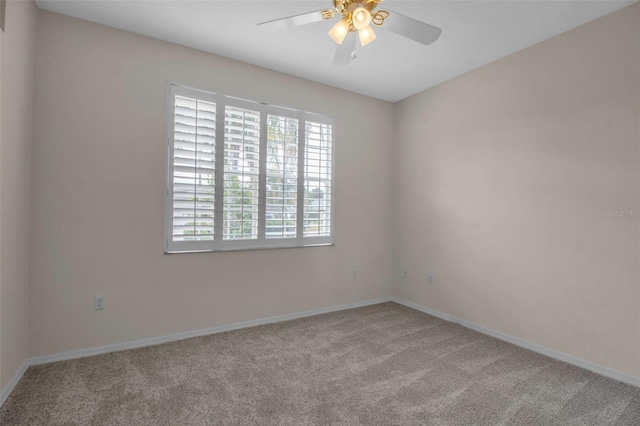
(339, 31)
(361, 18)
(366, 36)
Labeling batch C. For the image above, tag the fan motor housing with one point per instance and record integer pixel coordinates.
(345, 6)
(341, 5)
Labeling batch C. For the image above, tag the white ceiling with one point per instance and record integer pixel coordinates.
(391, 68)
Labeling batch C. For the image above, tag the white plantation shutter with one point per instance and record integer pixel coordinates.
(193, 169)
(317, 179)
(241, 173)
(260, 178)
(282, 177)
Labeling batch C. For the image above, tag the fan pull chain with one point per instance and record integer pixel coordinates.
(353, 52)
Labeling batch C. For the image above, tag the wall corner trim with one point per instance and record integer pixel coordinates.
(14, 381)
(551, 353)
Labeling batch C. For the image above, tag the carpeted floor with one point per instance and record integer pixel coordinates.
(378, 365)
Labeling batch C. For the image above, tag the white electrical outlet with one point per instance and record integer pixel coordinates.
(98, 303)
(430, 279)
(354, 274)
(404, 273)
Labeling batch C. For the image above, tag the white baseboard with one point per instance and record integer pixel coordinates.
(13, 382)
(552, 353)
(81, 353)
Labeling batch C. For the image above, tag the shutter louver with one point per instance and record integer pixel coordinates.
(193, 170)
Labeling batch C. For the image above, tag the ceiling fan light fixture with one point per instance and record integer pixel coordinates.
(339, 31)
(366, 36)
(361, 18)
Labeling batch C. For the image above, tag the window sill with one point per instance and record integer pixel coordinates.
(249, 249)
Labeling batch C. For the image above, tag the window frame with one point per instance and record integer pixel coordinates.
(261, 242)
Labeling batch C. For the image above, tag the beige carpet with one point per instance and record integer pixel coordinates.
(378, 365)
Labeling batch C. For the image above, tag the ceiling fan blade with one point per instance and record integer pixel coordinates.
(293, 21)
(344, 50)
(411, 28)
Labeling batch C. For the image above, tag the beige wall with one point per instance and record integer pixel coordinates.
(17, 78)
(504, 175)
(97, 198)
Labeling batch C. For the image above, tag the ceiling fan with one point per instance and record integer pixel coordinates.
(359, 16)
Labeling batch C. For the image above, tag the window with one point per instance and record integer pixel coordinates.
(244, 175)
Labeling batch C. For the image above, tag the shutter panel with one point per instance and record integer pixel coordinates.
(193, 170)
(282, 177)
(318, 197)
(241, 173)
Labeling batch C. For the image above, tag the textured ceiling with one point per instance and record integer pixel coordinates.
(391, 68)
